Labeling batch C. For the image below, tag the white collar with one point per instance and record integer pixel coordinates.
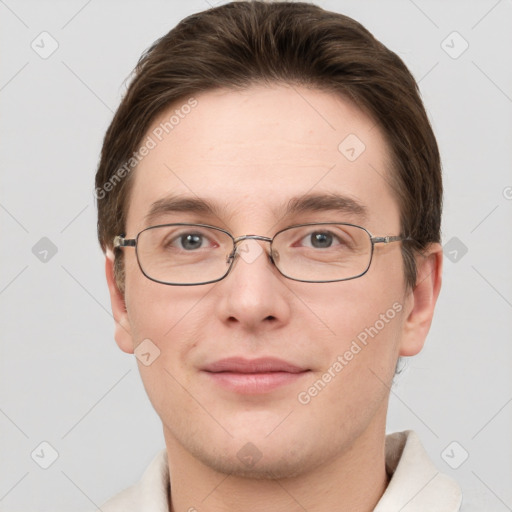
(416, 484)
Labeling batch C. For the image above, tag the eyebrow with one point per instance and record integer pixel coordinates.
(182, 204)
(331, 202)
(326, 203)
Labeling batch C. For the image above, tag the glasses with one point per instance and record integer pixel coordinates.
(195, 254)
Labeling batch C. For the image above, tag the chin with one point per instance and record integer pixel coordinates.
(259, 468)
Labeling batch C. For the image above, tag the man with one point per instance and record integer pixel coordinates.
(269, 198)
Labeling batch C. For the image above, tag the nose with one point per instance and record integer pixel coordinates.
(253, 295)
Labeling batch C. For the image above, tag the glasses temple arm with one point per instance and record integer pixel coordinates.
(120, 241)
(388, 239)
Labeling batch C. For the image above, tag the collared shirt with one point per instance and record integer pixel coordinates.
(416, 485)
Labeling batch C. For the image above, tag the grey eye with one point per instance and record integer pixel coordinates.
(191, 241)
(321, 240)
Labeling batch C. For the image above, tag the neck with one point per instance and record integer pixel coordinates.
(353, 480)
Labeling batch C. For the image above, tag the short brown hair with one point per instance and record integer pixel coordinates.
(243, 43)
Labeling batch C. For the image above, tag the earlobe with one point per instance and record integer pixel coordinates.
(422, 299)
(122, 332)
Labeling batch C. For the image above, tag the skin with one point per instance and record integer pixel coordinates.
(252, 150)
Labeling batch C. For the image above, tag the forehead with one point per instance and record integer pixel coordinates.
(250, 152)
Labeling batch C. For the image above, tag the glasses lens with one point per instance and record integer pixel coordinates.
(184, 254)
(322, 252)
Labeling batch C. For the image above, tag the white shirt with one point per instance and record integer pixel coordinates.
(416, 485)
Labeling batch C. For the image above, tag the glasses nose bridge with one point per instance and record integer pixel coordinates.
(238, 239)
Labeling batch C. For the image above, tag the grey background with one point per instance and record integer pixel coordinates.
(62, 378)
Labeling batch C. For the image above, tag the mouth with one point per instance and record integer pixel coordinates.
(253, 376)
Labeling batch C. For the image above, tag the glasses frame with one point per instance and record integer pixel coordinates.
(120, 241)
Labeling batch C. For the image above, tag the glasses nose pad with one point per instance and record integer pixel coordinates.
(274, 256)
(231, 256)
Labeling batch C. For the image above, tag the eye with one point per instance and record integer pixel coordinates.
(321, 240)
(191, 241)
(187, 241)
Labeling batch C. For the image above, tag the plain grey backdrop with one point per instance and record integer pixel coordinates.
(64, 382)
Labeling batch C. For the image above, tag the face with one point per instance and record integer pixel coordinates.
(249, 153)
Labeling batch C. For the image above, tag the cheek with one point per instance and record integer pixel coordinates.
(350, 307)
(165, 323)
(364, 317)
(161, 312)
(173, 318)
(359, 361)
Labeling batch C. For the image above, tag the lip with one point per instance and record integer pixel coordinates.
(260, 365)
(253, 376)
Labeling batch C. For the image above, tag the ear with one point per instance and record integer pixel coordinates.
(122, 331)
(422, 300)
